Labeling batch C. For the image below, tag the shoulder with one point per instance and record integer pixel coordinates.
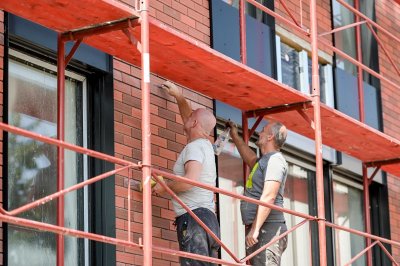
(277, 159)
(199, 144)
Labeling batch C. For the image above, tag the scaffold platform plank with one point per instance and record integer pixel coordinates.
(177, 57)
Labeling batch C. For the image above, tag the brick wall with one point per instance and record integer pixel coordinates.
(388, 16)
(300, 9)
(167, 141)
(188, 16)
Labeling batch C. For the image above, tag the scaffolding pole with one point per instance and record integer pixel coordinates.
(318, 137)
(146, 132)
(60, 150)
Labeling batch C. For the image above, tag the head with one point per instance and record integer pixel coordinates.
(200, 123)
(272, 137)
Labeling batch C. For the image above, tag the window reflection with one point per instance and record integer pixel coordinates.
(296, 196)
(32, 165)
(345, 39)
(298, 252)
(230, 177)
(251, 10)
(290, 66)
(348, 212)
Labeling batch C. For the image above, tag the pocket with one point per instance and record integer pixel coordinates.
(184, 231)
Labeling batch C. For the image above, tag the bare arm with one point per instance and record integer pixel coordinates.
(184, 108)
(192, 170)
(270, 191)
(247, 154)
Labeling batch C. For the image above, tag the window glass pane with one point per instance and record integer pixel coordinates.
(345, 39)
(348, 212)
(296, 198)
(230, 177)
(290, 66)
(251, 10)
(32, 165)
(230, 169)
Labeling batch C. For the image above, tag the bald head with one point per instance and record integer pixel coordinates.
(206, 119)
(279, 131)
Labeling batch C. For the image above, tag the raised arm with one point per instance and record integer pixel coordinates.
(247, 154)
(184, 108)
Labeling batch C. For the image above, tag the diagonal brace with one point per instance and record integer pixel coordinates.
(72, 52)
(382, 162)
(279, 109)
(306, 117)
(253, 129)
(100, 29)
(132, 39)
(373, 175)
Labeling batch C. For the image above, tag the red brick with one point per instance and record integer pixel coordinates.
(121, 66)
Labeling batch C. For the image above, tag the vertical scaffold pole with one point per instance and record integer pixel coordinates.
(243, 59)
(146, 144)
(242, 31)
(367, 216)
(60, 150)
(246, 138)
(318, 137)
(360, 89)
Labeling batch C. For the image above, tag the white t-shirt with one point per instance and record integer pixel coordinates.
(202, 151)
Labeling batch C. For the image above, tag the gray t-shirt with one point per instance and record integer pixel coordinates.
(202, 151)
(270, 167)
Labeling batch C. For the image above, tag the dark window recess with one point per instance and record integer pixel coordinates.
(346, 72)
(260, 35)
(380, 220)
(347, 99)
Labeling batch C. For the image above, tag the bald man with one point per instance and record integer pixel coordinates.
(196, 162)
(266, 183)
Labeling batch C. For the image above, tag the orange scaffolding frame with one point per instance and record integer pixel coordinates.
(114, 27)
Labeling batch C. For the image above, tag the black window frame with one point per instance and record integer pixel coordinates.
(100, 136)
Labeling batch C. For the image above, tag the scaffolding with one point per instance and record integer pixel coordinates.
(114, 28)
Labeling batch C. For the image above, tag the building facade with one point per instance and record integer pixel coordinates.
(103, 106)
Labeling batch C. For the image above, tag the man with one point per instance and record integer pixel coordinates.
(266, 182)
(196, 162)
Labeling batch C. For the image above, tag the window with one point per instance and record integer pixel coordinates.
(290, 65)
(230, 177)
(251, 10)
(348, 212)
(345, 39)
(32, 165)
(347, 97)
(295, 70)
(260, 42)
(296, 198)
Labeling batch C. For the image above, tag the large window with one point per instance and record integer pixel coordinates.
(32, 165)
(296, 198)
(230, 177)
(347, 97)
(260, 40)
(348, 212)
(294, 70)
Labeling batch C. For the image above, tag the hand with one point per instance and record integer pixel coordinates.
(158, 190)
(252, 237)
(234, 129)
(171, 88)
